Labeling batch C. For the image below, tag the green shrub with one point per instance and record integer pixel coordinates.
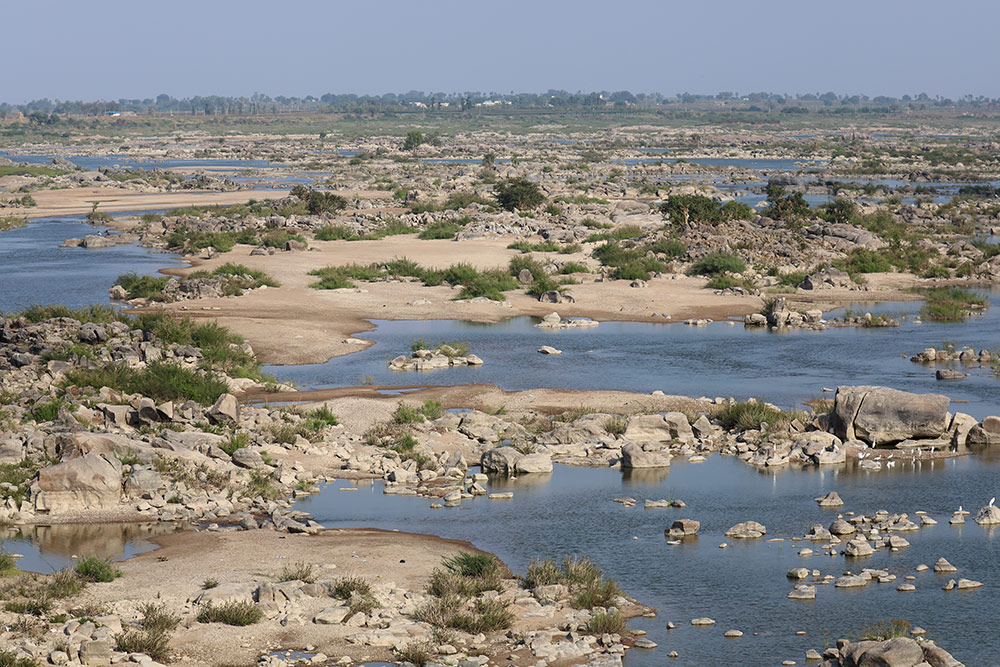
(153, 638)
(9, 658)
(607, 623)
(318, 202)
(573, 267)
(94, 568)
(231, 613)
(406, 414)
(234, 442)
(97, 314)
(432, 410)
(143, 287)
(717, 263)
(883, 630)
(748, 415)
(439, 230)
(331, 278)
(259, 277)
(415, 654)
(8, 564)
(46, 411)
(304, 572)
(671, 247)
(346, 587)
(949, 304)
(615, 425)
(261, 485)
(334, 233)
(486, 616)
(320, 418)
(36, 606)
(518, 193)
(469, 564)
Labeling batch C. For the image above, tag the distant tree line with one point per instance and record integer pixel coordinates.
(260, 104)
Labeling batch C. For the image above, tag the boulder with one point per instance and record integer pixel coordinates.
(669, 427)
(634, 456)
(988, 516)
(831, 499)
(92, 481)
(500, 460)
(225, 411)
(880, 415)
(895, 652)
(245, 457)
(985, 434)
(747, 530)
(683, 528)
(533, 463)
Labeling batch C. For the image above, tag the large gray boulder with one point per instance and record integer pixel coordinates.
(659, 428)
(92, 481)
(534, 463)
(884, 416)
(895, 652)
(225, 411)
(501, 460)
(634, 456)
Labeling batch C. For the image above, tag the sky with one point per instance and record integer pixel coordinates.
(111, 49)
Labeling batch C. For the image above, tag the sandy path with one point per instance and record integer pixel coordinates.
(294, 324)
(78, 201)
(173, 575)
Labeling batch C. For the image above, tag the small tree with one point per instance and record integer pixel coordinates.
(519, 193)
(413, 139)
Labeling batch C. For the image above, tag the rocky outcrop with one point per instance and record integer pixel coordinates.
(501, 460)
(92, 481)
(659, 428)
(634, 456)
(884, 416)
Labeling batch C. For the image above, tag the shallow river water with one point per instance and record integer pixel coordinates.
(744, 586)
(717, 360)
(570, 512)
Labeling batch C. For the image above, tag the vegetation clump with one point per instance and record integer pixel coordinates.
(518, 193)
(95, 568)
(231, 613)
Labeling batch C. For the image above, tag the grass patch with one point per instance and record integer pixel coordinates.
(96, 314)
(882, 630)
(607, 623)
(416, 654)
(949, 304)
(629, 262)
(718, 263)
(153, 636)
(161, 381)
(235, 441)
(94, 568)
(615, 425)
(444, 229)
(9, 658)
(304, 572)
(231, 613)
(585, 581)
(747, 415)
(143, 287)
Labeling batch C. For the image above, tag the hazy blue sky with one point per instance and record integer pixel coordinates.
(73, 49)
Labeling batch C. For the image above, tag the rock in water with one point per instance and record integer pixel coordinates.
(880, 415)
(988, 516)
(831, 499)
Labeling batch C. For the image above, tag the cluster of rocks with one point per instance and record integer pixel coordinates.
(109, 240)
(894, 652)
(443, 356)
(201, 287)
(965, 356)
(554, 321)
